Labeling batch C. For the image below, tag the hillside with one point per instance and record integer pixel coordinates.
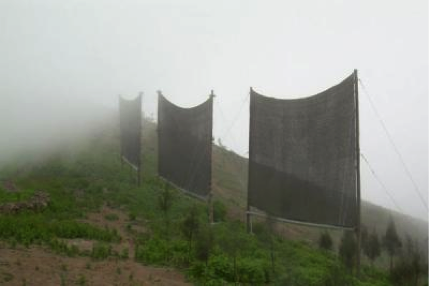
(100, 228)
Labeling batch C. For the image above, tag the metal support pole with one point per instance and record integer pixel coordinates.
(158, 131)
(210, 199)
(358, 199)
(210, 208)
(248, 215)
(140, 138)
(138, 176)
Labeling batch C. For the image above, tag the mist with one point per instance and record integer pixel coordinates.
(64, 63)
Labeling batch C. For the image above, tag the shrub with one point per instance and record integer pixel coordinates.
(124, 253)
(348, 249)
(190, 226)
(204, 243)
(100, 250)
(132, 216)
(219, 211)
(61, 247)
(161, 252)
(154, 251)
(111, 217)
(372, 247)
(391, 241)
(81, 280)
(325, 241)
(252, 272)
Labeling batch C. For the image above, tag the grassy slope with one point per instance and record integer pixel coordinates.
(82, 181)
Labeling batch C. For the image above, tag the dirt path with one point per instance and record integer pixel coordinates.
(39, 266)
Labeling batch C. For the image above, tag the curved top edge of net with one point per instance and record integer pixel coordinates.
(307, 98)
(130, 100)
(185, 108)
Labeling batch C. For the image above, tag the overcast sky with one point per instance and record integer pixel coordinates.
(58, 55)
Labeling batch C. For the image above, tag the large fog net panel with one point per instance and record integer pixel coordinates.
(302, 154)
(185, 145)
(130, 118)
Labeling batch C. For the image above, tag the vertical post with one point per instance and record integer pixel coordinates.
(120, 130)
(138, 176)
(248, 215)
(210, 200)
(210, 208)
(140, 99)
(358, 200)
(158, 130)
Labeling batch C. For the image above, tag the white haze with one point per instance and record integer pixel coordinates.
(61, 62)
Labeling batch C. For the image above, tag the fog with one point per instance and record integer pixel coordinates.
(64, 63)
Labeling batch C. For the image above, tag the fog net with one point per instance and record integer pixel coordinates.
(185, 145)
(130, 119)
(302, 156)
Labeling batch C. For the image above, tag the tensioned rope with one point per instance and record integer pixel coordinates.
(228, 129)
(236, 116)
(380, 182)
(393, 144)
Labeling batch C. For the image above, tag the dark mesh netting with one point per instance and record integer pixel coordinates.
(302, 154)
(185, 145)
(130, 119)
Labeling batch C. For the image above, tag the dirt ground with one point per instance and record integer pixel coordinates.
(39, 266)
(35, 266)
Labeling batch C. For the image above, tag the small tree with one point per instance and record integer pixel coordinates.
(219, 211)
(190, 226)
(372, 247)
(266, 234)
(348, 249)
(391, 241)
(325, 241)
(233, 242)
(414, 259)
(270, 225)
(204, 243)
(410, 265)
(165, 201)
(364, 237)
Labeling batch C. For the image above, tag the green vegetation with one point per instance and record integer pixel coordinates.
(391, 242)
(325, 241)
(28, 228)
(132, 216)
(219, 211)
(371, 247)
(165, 201)
(101, 251)
(347, 250)
(6, 196)
(81, 280)
(124, 253)
(410, 269)
(5, 277)
(63, 278)
(190, 226)
(111, 217)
